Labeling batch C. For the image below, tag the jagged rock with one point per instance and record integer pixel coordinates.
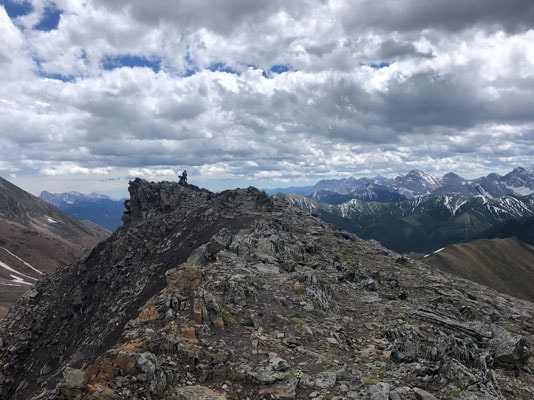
(509, 350)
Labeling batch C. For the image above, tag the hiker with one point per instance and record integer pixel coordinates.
(183, 178)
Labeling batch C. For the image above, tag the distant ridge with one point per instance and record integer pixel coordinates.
(97, 208)
(522, 228)
(417, 183)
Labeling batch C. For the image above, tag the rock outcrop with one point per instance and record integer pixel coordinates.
(238, 296)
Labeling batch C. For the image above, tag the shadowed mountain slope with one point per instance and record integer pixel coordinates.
(237, 295)
(522, 228)
(34, 239)
(506, 265)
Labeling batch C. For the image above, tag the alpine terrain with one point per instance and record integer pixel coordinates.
(422, 224)
(95, 207)
(418, 183)
(237, 295)
(35, 238)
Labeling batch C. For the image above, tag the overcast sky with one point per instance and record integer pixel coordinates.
(264, 93)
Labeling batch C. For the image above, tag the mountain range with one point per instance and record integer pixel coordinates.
(421, 212)
(417, 183)
(107, 212)
(238, 295)
(98, 208)
(422, 224)
(35, 238)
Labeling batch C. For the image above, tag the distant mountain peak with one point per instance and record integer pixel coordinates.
(418, 183)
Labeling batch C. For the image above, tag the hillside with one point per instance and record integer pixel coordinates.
(35, 238)
(506, 265)
(521, 228)
(239, 296)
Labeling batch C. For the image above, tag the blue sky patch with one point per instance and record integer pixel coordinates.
(280, 68)
(276, 70)
(57, 77)
(380, 65)
(131, 61)
(50, 19)
(221, 67)
(15, 10)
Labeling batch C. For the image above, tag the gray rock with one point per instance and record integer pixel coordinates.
(147, 363)
(370, 284)
(325, 380)
(73, 378)
(267, 269)
(422, 394)
(509, 350)
(380, 391)
(278, 364)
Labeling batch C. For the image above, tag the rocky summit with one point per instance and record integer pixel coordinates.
(237, 295)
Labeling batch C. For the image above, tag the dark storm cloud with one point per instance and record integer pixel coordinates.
(429, 99)
(450, 15)
(221, 16)
(392, 49)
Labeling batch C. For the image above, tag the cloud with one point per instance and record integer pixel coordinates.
(452, 15)
(265, 91)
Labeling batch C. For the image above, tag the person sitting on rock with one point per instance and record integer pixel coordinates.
(183, 178)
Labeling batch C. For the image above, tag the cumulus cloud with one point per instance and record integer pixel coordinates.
(264, 92)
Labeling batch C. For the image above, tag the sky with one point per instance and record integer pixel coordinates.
(265, 93)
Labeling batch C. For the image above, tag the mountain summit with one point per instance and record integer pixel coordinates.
(237, 295)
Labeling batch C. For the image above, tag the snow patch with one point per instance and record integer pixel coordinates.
(51, 220)
(436, 252)
(21, 260)
(18, 279)
(7, 267)
(453, 204)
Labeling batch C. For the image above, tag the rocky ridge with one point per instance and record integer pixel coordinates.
(237, 295)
